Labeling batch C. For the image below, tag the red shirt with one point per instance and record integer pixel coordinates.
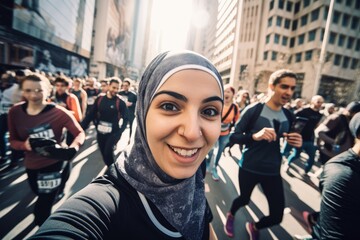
(49, 123)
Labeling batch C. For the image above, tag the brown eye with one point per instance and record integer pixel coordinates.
(169, 107)
(210, 112)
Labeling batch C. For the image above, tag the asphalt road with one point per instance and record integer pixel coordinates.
(301, 194)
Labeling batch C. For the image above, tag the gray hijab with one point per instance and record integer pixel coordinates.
(182, 202)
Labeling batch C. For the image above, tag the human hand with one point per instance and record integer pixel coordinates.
(294, 139)
(267, 134)
(28, 145)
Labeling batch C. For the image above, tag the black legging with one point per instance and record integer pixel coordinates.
(273, 189)
(43, 205)
(107, 143)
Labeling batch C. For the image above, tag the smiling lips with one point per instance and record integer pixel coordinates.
(185, 152)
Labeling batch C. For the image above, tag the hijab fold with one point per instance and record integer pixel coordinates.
(182, 202)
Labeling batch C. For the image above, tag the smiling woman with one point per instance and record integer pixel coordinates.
(159, 187)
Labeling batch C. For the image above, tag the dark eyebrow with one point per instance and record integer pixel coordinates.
(214, 98)
(183, 98)
(173, 94)
(287, 86)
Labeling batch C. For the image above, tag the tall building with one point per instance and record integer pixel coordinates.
(226, 38)
(254, 38)
(48, 36)
(119, 37)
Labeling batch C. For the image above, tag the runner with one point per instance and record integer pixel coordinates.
(107, 112)
(35, 118)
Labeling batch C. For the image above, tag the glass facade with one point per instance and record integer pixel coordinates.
(67, 24)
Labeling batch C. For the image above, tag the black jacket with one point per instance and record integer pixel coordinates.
(340, 204)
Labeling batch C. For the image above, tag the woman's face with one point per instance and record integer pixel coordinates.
(33, 91)
(228, 95)
(183, 122)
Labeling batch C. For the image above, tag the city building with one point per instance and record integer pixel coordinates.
(118, 38)
(48, 36)
(254, 38)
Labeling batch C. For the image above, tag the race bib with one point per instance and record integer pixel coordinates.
(48, 182)
(90, 101)
(5, 107)
(104, 127)
(42, 131)
(225, 127)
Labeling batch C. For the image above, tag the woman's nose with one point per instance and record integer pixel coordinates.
(190, 128)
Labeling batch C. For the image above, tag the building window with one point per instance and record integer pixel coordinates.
(312, 35)
(357, 4)
(301, 39)
(292, 42)
(332, 38)
(269, 21)
(350, 43)
(306, 3)
(336, 17)
(297, 7)
(341, 40)
(284, 41)
(304, 20)
(267, 39)
(308, 55)
(357, 46)
(281, 4)
(346, 62)
(271, 4)
(322, 33)
(339, 1)
(287, 23)
(337, 60)
(348, 3)
(345, 20)
(273, 55)
(326, 11)
(315, 14)
(354, 63)
(276, 38)
(294, 25)
(289, 59)
(298, 57)
(289, 6)
(354, 23)
(278, 21)
(266, 55)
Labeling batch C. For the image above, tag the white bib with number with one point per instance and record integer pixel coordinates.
(90, 101)
(104, 127)
(48, 182)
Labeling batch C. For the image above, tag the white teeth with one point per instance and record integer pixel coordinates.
(184, 152)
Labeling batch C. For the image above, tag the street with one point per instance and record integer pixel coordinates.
(301, 194)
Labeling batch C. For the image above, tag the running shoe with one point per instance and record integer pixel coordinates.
(229, 226)
(307, 218)
(215, 175)
(253, 233)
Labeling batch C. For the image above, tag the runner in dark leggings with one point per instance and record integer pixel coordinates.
(260, 128)
(107, 111)
(35, 118)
